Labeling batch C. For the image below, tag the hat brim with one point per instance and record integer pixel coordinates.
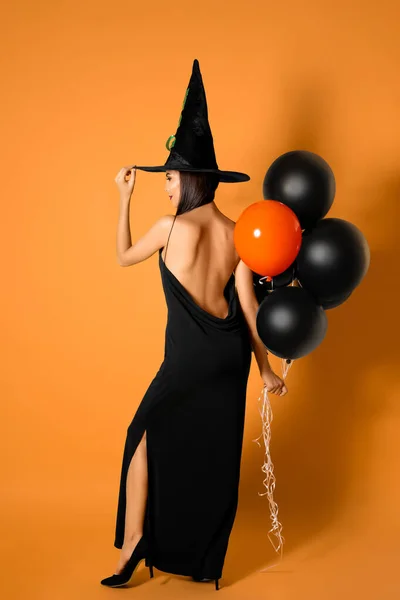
(224, 176)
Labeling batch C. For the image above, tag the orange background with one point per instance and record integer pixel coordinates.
(89, 87)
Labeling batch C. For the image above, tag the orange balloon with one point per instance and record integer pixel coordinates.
(267, 237)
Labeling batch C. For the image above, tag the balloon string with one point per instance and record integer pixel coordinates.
(286, 364)
(266, 279)
(269, 481)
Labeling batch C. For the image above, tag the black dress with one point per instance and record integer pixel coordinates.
(193, 413)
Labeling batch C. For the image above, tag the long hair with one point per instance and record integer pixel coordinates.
(196, 189)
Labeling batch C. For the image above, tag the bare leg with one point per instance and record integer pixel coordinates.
(136, 496)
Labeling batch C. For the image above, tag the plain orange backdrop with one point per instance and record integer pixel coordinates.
(87, 88)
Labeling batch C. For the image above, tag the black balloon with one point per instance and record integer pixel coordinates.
(333, 259)
(304, 182)
(290, 323)
(335, 302)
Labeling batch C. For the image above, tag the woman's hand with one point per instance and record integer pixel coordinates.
(273, 383)
(125, 180)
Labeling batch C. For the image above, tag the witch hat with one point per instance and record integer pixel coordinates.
(192, 147)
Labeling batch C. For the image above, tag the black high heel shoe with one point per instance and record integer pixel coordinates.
(206, 579)
(139, 553)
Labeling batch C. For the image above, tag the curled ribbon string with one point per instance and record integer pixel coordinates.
(266, 279)
(268, 468)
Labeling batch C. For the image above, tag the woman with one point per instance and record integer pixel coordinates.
(180, 473)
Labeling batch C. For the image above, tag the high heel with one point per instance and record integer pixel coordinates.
(139, 553)
(146, 562)
(205, 579)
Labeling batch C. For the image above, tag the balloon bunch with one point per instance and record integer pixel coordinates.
(302, 264)
(307, 263)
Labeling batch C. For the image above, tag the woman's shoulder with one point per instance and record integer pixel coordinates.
(192, 221)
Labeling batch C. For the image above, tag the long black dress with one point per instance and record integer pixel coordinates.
(193, 413)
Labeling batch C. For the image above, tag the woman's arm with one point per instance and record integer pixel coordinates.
(249, 304)
(150, 242)
(154, 239)
(123, 229)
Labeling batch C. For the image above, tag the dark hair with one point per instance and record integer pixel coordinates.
(196, 189)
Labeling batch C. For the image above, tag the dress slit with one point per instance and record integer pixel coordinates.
(133, 438)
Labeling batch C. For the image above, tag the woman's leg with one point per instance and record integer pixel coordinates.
(136, 496)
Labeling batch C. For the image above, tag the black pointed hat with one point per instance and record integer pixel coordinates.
(192, 147)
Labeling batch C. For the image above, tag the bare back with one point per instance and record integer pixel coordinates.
(200, 252)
